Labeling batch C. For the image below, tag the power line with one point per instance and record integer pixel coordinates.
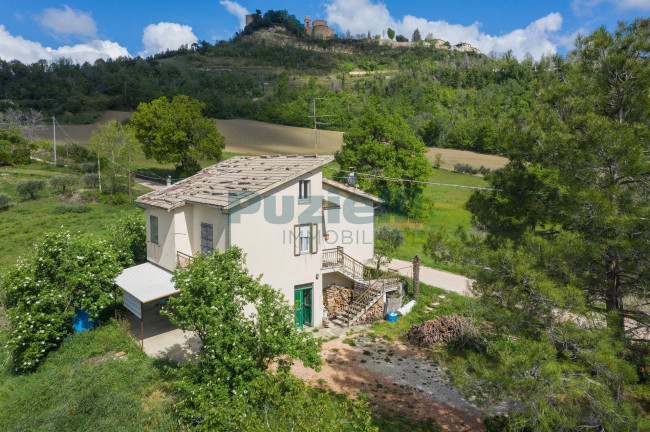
(418, 181)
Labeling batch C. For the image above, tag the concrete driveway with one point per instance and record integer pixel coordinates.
(437, 278)
(161, 337)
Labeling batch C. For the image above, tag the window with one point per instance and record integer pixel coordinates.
(207, 244)
(153, 229)
(306, 239)
(303, 190)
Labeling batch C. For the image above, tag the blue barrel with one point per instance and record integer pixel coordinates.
(391, 317)
(81, 321)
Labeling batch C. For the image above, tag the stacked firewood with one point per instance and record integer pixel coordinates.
(441, 329)
(337, 299)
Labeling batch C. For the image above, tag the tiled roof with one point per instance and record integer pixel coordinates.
(232, 181)
(352, 190)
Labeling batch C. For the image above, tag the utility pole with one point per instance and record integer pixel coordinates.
(54, 134)
(99, 173)
(316, 123)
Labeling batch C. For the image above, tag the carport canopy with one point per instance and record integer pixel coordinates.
(144, 283)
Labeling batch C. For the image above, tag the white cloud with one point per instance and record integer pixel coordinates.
(68, 21)
(237, 10)
(586, 7)
(359, 16)
(165, 36)
(26, 51)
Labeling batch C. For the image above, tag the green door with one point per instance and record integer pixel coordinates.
(303, 300)
(297, 304)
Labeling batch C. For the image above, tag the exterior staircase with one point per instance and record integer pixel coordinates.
(373, 290)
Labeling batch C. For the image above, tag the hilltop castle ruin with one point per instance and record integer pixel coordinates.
(318, 28)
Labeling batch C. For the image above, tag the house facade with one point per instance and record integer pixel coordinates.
(301, 232)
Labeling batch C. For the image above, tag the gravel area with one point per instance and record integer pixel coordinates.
(394, 379)
(399, 364)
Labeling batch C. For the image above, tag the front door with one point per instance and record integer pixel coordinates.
(303, 300)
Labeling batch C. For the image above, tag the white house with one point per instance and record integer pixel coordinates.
(300, 231)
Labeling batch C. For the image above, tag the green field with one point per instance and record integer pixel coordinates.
(448, 215)
(25, 222)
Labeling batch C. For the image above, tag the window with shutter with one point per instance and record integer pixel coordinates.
(207, 245)
(305, 239)
(153, 229)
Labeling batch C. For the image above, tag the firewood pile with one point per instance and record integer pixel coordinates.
(441, 329)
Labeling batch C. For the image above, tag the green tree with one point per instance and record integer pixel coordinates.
(177, 132)
(391, 33)
(30, 187)
(401, 38)
(215, 290)
(417, 37)
(570, 268)
(388, 239)
(66, 182)
(382, 144)
(116, 144)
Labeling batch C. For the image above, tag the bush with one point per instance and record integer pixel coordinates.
(468, 169)
(91, 180)
(129, 236)
(30, 187)
(5, 158)
(41, 293)
(437, 160)
(88, 167)
(401, 38)
(21, 156)
(117, 199)
(65, 182)
(5, 201)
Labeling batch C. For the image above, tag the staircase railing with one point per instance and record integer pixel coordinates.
(183, 259)
(375, 288)
(335, 257)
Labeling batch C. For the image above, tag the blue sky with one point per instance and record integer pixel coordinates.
(87, 30)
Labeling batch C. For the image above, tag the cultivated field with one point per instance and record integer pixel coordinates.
(255, 137)
(451, 157)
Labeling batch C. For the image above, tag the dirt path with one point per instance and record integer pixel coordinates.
(395, 380)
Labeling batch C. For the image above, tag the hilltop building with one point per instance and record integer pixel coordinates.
(318, 28)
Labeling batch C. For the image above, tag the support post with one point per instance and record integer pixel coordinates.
(141, 329)
(54, 136)
(416, 276)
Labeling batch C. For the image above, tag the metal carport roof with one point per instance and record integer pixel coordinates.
(146, 282)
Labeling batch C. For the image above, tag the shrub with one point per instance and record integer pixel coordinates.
(88, 167)
(129, 236)
(117, 199)
(5, 201)
(21, 156)
(65, 182)
(437, 161)
(401, 38)
(469, 169)
(91, 180)
(30, 187)
(5, 158)
(41, 293)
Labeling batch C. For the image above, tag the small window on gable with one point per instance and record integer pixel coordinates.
(153, 229)
(303, 190)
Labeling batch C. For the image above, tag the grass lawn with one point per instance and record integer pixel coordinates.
(449, 213)
(24, 223)
(83, 387)
(451, 304)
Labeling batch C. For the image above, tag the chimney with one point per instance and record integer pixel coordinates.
(351, 179)
(169, 181)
